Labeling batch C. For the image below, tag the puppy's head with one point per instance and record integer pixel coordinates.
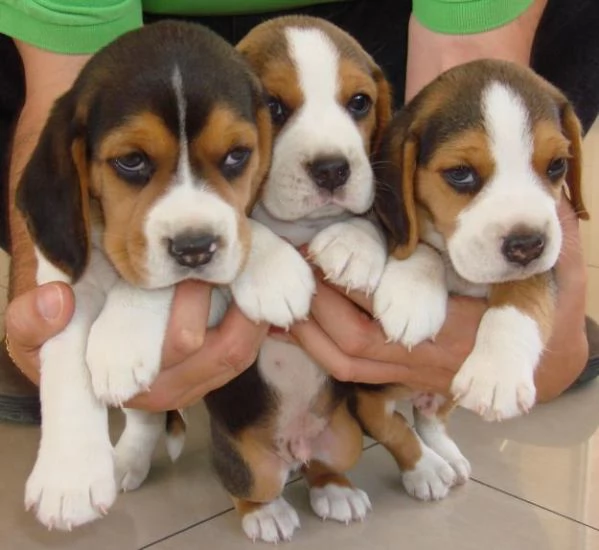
(329, 103)
(167, 131)
(482, 154)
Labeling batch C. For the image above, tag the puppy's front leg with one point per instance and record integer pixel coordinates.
(411, 299)
(352, 254)
(72, 481)
(276, 284)
(497, 379)
(125, 342)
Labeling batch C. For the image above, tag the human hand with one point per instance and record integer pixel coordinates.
(194, 360)
(345, 340)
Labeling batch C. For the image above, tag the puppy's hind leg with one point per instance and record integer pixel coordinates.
(337, 450)
(431, 427)
(425, 474)
(135, 448)
(255, 478)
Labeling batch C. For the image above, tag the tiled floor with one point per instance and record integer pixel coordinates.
(535, 486)
(535, 481)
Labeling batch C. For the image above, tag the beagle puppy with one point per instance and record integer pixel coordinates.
(471, 173)
(329, 104)
(142, 177)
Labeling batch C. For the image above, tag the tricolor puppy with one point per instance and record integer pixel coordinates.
(329, 104)
(142, 178)
(472, 171)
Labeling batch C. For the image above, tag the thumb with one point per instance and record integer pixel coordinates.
(37, 315)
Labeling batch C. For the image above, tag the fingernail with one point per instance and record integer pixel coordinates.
(49, 302)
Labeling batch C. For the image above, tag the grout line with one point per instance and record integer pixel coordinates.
(221, 513)
(366, 448)
(535, 504)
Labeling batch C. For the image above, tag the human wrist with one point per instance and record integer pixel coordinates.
(430, 53)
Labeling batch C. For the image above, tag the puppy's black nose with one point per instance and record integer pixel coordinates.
(523, 248)
(329, 172)
(193, 250)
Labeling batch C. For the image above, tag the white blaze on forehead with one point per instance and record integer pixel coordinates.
(509, 129)
(183, 168)
(318, 80)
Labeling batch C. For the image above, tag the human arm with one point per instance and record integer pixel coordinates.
(431, 52)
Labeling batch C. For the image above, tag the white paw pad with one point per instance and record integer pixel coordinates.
(495, 392)
(344, 504)
(277, 290)
(131, 467)
(431, 478)
(410, 306)
(350, 255)
(68, 490)
(273, 522)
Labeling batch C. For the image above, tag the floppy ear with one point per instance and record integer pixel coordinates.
(383, 109)
(395, 171)
(53, 196)
(573, 131)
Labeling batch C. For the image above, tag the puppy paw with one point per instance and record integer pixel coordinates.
(431, 478)
(125, 342)
(71, 487)
(277, 284)
(351, 254)
(433, 433)
(493, 388)
(272, 522)
(411, 299)
(343, 504)
(497, 379)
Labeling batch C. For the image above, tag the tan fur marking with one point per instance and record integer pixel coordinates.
(268, 470)
(442, 202)
(549, 144)
(390, 430)
(533, 297)
(318, 474)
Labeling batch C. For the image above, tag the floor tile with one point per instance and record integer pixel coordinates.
(550, 457)
(173, 497)
(472, 517)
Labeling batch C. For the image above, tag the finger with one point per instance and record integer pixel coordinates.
(32, 319)
(341, 366)
(227, 350)
(353, 330)
(39, 314)
(359, 298)
(187, 324)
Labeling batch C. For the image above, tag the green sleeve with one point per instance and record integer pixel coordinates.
(467, 16)
(69, 26)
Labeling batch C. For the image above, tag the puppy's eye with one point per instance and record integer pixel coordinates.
(135, 167)
(279, 112)
(235, 161)
(463, 179)
(557, 168)
(359, 106)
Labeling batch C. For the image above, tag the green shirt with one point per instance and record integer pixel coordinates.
(82, 26)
